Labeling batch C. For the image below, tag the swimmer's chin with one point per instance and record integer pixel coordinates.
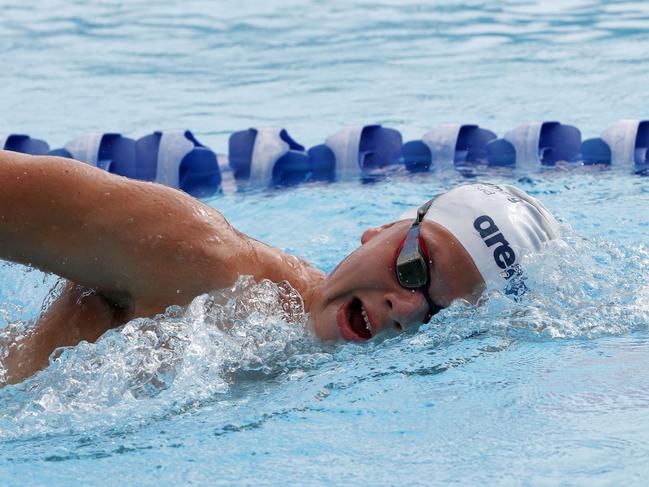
(325, 330)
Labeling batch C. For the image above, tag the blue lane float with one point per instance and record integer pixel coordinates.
(263, 157)
(172, 158)
(447, 146)
(179, 160)
(625, 144)
(23, 143)
(536, 143)
(269, 156)
(108, 151)
(357, 150)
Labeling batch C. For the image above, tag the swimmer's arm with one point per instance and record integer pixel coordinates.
(139, 244)
(77, 314)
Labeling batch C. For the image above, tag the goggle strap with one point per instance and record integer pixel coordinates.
(422, 210)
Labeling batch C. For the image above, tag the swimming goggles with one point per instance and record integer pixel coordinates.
(412, 267)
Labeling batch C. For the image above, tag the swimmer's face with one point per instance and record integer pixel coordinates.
(363, 290)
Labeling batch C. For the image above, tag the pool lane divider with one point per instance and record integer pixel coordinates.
(172, 158)
(23, 143)
(271, 157)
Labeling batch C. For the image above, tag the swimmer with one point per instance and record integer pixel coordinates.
(130, 249)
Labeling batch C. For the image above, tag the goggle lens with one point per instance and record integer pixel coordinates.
(412, 268)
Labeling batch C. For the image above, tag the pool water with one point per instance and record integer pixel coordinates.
(552, 390)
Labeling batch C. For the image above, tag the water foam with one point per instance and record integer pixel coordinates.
(172, 363)
(579, 288)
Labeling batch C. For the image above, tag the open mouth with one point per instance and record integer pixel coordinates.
(353, 321)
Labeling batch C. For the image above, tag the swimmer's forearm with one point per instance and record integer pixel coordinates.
(77, 314)
(128, 239)
(52, 212)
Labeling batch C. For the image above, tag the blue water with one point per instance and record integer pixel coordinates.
(553, 390)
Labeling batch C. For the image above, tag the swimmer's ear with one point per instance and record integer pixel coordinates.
(370, 233)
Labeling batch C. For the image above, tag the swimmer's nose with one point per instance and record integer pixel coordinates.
(406, 308)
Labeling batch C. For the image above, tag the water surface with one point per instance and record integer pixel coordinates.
(235, 390)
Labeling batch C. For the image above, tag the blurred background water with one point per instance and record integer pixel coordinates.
(217, 67)
(234, 390)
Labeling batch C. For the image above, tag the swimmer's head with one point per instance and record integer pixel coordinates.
(497, 225)
(474, 236)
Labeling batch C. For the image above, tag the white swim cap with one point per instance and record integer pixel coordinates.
(497, 225)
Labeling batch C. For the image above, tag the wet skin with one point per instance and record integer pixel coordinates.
(130, 249)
